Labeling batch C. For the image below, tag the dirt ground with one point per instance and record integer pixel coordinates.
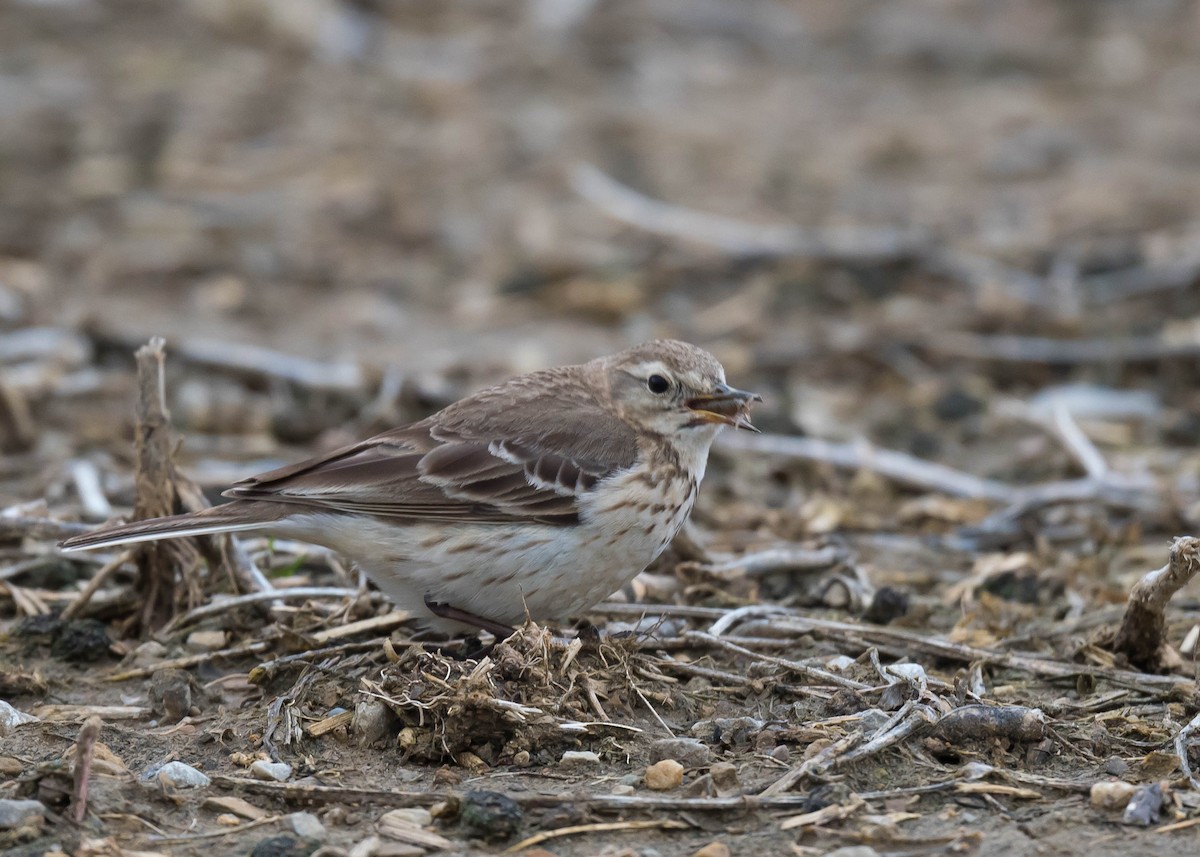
(955, 245)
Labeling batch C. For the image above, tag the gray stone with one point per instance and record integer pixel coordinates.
(178, 775)
(277, 771)
(13, 813)
(11, 718)
(306, 825)
(687, 751)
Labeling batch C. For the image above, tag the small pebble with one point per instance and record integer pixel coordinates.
(13, 813)
(1116, 766)
(149, 653)
(687, 751)
(307, 825)
(853, 851)
(1112, 796)
(622, 790)
(373, 720)
(415, 815)
(236, 806)
(1145, 806)
(177, 775)
(277, 771)
(664, 775)
(713, 849)
(205, 641)
(490, 816)
(11, 718)
(579, 757)
(10, 767)
(725, 778)
(284, 846)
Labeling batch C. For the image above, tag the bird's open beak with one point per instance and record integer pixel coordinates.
(726, 406)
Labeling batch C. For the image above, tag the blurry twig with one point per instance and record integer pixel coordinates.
(1141, 637)
(85, 751)
(255, 361)
(763, 562)
(1058, 352)
(223, 605)
(903, 468)
(736, 237)
(1113, 489)
(1181, 750)
(98, 579)
(25, 526)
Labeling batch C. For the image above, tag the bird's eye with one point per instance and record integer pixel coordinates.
(657, 384)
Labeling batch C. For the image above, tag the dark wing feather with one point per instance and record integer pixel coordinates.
(510, 453)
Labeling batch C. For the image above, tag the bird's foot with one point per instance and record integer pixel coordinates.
(447, 611)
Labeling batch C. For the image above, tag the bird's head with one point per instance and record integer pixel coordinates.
(677, 390)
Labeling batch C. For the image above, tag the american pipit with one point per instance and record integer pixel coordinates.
(536, 497)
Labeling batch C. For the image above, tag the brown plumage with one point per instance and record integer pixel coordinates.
(550, 465)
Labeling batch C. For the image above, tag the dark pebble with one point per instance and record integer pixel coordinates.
(490, 816)
(285, 846)
(81, 640)
(956, 405)
(888, 604)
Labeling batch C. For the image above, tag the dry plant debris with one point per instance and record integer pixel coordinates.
(913, 616)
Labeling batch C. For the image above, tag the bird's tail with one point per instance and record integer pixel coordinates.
(228, 518)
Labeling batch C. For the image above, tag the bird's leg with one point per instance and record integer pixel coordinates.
(447, 611)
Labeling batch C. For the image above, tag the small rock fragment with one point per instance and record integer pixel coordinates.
(10, 767)
(725, 778)
(399, 825)
(689, 752)
(237, 806)
(713, 849)
(1112, 796)
(1116, 766)
(472, 762)
(307, 826)
(205, 641)
(277, 771)
(853, 851)
(417, 816)
(177, 775)
(285, 846)
(1145, 806)
(621, 790)
(149, 653)
(11, 718)
(173, 693)
(663, 776)
(490, 816)
(730, 731)
(373, 721)
(14, 813)
(579, 757)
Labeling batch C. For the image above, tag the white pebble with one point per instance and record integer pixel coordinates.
(180, 776)
(580, 757)
(277, 771)
(307, 825)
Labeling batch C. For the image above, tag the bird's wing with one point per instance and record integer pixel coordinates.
(502, 460)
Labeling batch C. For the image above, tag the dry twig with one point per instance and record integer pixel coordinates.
(85, 750)
(1141, 637)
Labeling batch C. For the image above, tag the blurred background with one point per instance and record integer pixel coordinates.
(343, 214)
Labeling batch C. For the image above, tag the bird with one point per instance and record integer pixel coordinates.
(534, 498)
